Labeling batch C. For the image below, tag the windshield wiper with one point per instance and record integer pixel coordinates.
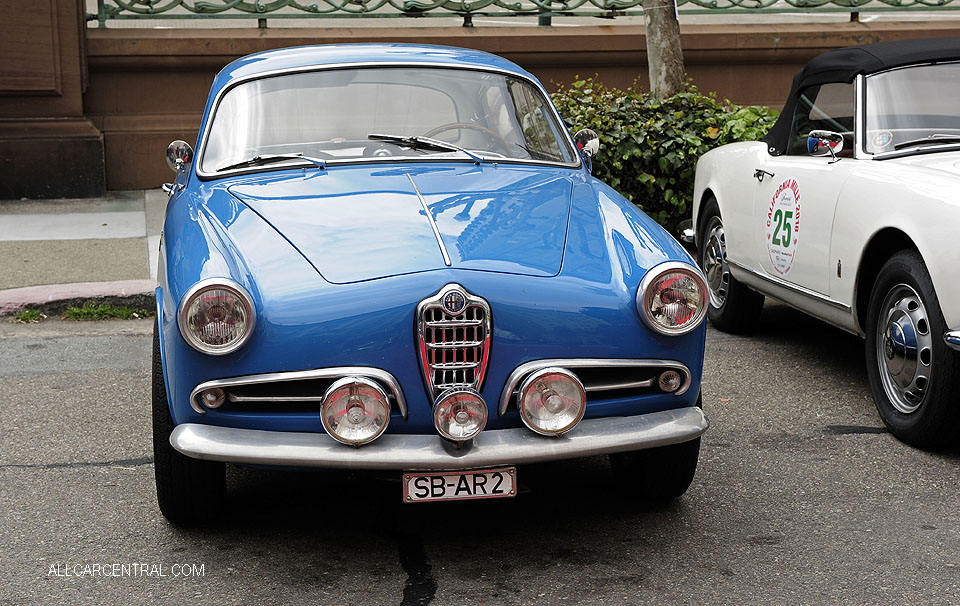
(935, 138)
(424, 143)
(260, 160)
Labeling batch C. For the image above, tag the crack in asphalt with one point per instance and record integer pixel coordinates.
(846, 430)
(81, 464)
(420, 588)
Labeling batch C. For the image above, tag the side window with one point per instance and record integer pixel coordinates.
(823, 107)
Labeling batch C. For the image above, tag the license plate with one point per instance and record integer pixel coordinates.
(460, 485)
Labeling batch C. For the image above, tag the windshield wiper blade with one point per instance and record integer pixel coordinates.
(935, 139)
(260, 160)
(414, 142)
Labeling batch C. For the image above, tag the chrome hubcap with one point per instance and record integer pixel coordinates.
(904, 348)
(715, 263)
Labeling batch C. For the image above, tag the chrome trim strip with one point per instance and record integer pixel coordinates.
(524, 369)
(225, 284)
(433, 222)
(563, 132)
(859, 134)
(784, 284)
(299, 375)
(626, 385)
(235, 398)
(952, 339)
(415, 452)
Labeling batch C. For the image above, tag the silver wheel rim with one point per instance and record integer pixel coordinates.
(904, 348)
(715, 263)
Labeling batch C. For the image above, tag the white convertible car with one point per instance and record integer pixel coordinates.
(850, 211)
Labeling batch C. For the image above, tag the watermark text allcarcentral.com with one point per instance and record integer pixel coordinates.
(132, 570)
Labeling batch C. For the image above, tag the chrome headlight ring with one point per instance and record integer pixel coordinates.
(244, 303)
(670, 291)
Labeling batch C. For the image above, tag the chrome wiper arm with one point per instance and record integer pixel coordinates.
(414, 142)
(935, 138)
(260, 160)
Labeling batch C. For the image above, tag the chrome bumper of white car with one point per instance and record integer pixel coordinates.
(952, 338)
(415, 452)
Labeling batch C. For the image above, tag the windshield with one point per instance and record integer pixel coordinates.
(330, 115)
(914, 105)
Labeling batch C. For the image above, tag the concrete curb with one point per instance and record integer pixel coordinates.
(54, 296)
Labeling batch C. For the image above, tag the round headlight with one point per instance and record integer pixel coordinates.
(552, 401)
(672, 298)
(216, 316)
(460, 414)
(355, 411)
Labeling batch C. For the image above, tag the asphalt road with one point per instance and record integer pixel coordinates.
(801, 498)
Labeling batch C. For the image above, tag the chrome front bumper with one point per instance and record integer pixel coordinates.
(421, 452)
(952, 339)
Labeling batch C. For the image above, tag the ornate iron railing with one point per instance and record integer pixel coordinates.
(467, 9)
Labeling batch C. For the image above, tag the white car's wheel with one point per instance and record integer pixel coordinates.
(913, 375)
(733, 306)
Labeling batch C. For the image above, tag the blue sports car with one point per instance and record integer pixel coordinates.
(394, 257)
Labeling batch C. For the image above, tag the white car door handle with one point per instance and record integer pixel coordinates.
(760, 174)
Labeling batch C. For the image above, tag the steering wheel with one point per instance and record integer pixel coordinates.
(470, 126)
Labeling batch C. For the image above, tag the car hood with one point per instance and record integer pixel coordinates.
(948, 162)
(365, 222)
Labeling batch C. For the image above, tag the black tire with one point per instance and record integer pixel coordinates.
(189, 491)
(914, 375)
(657, 475)
(732, 306)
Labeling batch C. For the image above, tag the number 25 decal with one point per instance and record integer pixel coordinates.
(782, 219)
(782, 226)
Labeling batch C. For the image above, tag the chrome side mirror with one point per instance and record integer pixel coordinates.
(588, 142)
(824, 143)
(179, 154)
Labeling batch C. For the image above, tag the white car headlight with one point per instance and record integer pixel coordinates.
(672, 298)
(216, 316)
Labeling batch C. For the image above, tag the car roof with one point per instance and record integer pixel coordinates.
(300, 57)
(845, 64)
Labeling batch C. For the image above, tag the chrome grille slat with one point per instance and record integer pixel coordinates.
(454, 323)
(310, 384)
(454, 348)
(610, 377)
(453, 365)
(454, 345)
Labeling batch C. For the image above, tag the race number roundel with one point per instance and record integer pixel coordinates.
(783, 226)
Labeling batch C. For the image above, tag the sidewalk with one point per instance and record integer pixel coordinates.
(55, 250)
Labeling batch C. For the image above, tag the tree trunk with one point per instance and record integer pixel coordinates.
(664, 53)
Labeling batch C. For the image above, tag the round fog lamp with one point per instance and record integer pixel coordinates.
(213, 397)
(355, 411)
(552, 401)
(460, 414)
(670, 381)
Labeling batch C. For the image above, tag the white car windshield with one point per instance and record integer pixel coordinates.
(400, 113)
(911, 107)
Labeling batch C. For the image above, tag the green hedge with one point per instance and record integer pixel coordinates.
(649, 147)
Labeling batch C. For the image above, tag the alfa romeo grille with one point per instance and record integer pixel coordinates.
(454, 329)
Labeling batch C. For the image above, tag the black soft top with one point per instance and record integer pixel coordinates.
(845, 64)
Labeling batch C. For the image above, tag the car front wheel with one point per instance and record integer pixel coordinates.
(189, 490)
(733, 307)
(657, 474)
(914, 376)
